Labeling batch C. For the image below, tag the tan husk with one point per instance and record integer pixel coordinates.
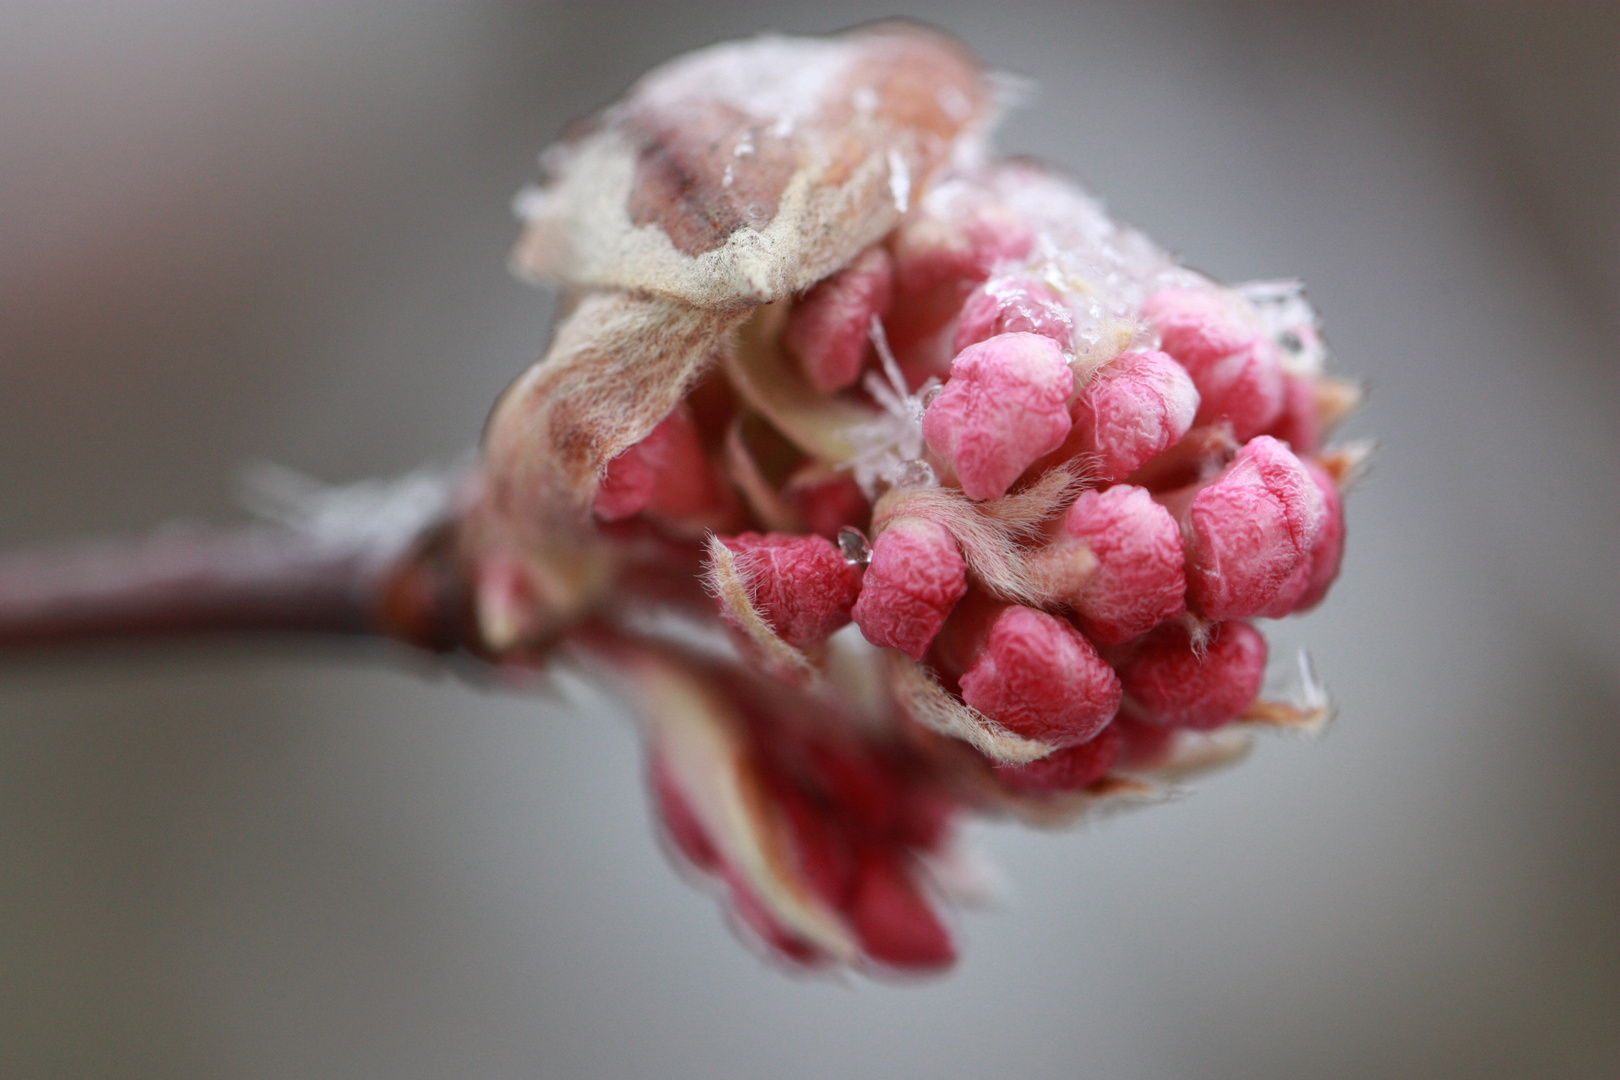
(762, 374)
(619, 364)
(994, 535)
(773, 512)
(703, 747)
(928, 703)
(727, 581)
(745, 172)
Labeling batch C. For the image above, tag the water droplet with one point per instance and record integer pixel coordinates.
(854, 546)
(914, 473)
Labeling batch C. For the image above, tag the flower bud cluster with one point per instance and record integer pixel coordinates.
(1097, 631)
(1048, 473)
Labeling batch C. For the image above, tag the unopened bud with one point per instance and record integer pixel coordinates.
(802, 585)
(1217, 337)
(665, 473)
(1031, 672)
(1139, 580)
(1134, 409)
(1175, 684)
(916, 576)
(1005, 407)
(1249, 530)
(1320, 568)
(828, 329)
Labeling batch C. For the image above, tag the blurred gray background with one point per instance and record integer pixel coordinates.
(242, 231)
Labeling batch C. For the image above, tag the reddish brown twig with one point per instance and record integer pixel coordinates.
(185, 581)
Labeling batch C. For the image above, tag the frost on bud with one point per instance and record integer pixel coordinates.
(1172, 682)
(829, 329)
(801, 585)
(1004, 408)
(1139, 580)
(1069, 769)
(1012, 305)
(666, 474)
(1031, 672)
(916, 576)
(1133, 410)
(939, 259)
(1248, 531)
(1217, 337)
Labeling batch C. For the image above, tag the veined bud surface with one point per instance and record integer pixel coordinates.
(1140, 579)
(1033, 673)
(802, 584)
(1135, 409)
(1173, 680)
(1251, 531)
(828, 360)
(1004, 407)
(916, 576)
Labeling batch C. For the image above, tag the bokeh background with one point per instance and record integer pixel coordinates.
(277, 231)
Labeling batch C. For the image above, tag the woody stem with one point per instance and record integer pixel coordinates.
(207, 582)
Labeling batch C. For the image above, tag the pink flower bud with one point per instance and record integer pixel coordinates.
(916, 576)
(1234, 365)
(1012, 305)
(937, 263)
(829, 329)
(1069, 769)
(1200, 327)
(1318, 571)
(895, 924)
(831, 505)
(665, 473)
(1299, 424)
(1139, 580)
(802, 585)
(1172, 683)
(1248, 531)
(1244, 390)
(1134, 409)
(931, 251)
(818, 786)
(1005, 406)
(1031, 672)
